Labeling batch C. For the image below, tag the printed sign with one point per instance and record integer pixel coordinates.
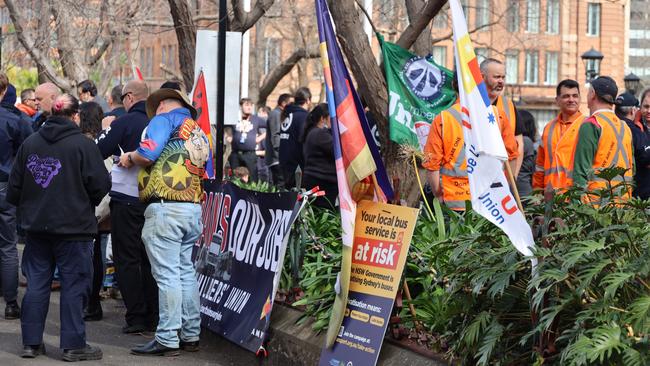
(239, 259)
(381, 242)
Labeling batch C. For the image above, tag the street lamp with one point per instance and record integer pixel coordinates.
(592, 59)
(632, 83)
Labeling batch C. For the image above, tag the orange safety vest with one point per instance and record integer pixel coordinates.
(453, 171)
(614, 150)
(559, 152)
(507, 109)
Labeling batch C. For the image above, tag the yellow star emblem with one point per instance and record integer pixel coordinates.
(178, 172)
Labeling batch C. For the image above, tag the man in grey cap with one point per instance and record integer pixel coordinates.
(173, 155)
(603, 140)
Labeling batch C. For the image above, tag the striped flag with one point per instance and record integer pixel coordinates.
(200, 102)
(355, 153)
(485, 151)
(137, 74)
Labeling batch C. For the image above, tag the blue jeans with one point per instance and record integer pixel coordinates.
(170, 231)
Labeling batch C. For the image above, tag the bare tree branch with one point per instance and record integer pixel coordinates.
(414, 29)
(34, 52)
(242, 21)
(280, 71)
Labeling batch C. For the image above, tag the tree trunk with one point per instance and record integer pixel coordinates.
(186, 36)
(422, 45)
(372, 85)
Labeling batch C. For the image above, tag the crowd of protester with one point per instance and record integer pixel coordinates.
(76, 174)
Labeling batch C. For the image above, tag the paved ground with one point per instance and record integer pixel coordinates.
(106, 334)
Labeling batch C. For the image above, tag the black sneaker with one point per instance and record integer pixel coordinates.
(33, 351)
(82, 354)
(189, 346)
(93, 315)
(154, 348)
(134, 329)
(12, 311)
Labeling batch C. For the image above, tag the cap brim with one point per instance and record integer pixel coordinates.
(161, 94)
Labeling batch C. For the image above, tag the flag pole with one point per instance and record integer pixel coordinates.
(513, 186)
(221, 86)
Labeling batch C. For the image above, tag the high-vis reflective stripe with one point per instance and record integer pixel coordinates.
(558, 144)
(504, 104)
(455, 205)
(453, 172)
(619, 143)
(614, 150)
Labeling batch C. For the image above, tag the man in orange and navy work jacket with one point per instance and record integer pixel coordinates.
(445, 156)
(494, 75)
(555, 153)
(603, 140)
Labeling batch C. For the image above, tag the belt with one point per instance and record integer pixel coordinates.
(165, 200)
(245, 152)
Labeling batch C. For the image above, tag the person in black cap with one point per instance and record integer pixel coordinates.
(638, 124)
(626, 107)
(603, 139)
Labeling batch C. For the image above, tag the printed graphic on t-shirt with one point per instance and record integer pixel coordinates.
(43, 169)
(176, 174)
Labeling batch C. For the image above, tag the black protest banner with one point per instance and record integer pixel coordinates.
(239, 257)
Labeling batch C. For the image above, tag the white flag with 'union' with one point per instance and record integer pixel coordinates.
(490, 193)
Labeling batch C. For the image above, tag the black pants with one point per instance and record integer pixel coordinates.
(331, 191)
(276, 175)
(75, 266)
(94, 301)
(132, 269)
(247, 159)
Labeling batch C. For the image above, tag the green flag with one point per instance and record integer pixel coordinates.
(418, 89)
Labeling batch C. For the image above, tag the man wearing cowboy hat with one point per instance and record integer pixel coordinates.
(173, 154)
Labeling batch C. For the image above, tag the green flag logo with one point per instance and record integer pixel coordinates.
(423, 78)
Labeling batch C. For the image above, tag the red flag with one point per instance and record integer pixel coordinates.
(137, 74)
(200, 102)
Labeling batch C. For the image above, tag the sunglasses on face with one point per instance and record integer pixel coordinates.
(124, 96)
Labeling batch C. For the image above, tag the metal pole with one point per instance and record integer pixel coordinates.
(245, 55)
(221, 84)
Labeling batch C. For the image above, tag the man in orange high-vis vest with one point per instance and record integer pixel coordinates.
(555, 153)
(603, 140)
(445, 159)
(494, 75)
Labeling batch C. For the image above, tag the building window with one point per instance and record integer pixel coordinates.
(593, 19)
(512, 67)
(481, 54)
(271, 54)
(439, 54)
(551, 68)
(532, 16)
(482, 13)
(441, 21)
(513, 16)
(553, 17)
(532, 66)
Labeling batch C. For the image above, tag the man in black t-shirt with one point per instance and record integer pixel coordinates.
(245, 137)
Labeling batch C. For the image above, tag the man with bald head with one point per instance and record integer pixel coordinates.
(132, 268)
(45, 95)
